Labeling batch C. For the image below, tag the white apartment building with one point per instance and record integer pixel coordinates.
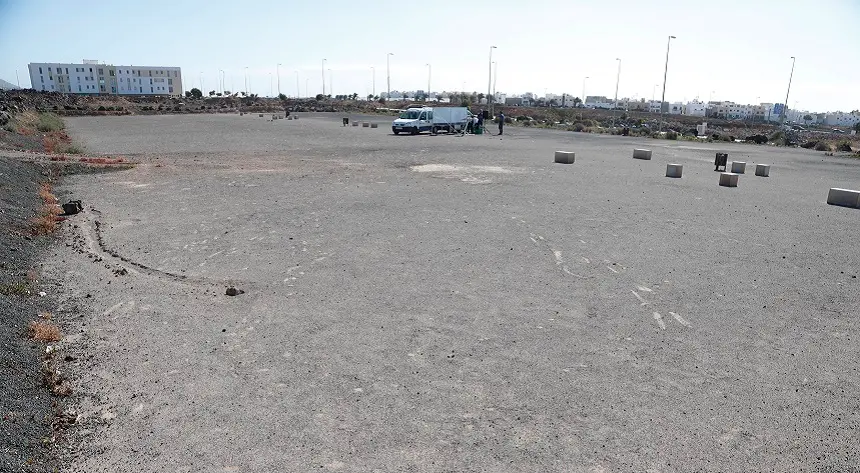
(91, 77)
(842, 119)
(696, 108)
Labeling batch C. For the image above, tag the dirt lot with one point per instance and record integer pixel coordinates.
(442, 303)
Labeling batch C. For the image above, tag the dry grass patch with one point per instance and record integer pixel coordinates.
(45, 221)
(45, 331)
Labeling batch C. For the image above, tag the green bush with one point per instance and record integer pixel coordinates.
(671, 135)
(50, 122)
(809, 144)
(822, 146)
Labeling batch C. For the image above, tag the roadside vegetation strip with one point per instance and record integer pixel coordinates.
(48, 215)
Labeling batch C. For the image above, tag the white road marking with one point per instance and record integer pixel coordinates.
(585, 259)
(643, 288)
(215, 254)
(643, 301)
(680, 319)
(113, 308)
(659, 319)
(611, 269)
(564, 268)
(558, 259)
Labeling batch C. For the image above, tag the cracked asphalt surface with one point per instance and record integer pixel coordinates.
(443, 303)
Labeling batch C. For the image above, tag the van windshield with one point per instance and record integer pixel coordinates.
(410, 114)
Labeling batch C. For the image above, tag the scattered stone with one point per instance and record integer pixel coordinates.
(232, 291)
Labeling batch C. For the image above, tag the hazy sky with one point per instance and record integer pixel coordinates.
(726, 50)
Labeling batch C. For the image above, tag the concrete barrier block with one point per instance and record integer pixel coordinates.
(729, 179)
(844, 197)
(354, 123)
(261, 115)
(762, 170)
(374, 125)
(289, 118)
(674, 170)
(565, 157)
(297, 117)
(365, 124)
(641, 154)
(739, 167)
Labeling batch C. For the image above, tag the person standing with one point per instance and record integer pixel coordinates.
(501, 123)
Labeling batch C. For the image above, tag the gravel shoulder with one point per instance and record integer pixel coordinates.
(27, 410)
(455, 303)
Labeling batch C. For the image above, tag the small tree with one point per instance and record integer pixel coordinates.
(320, 96)
(226, 93)
(857, 127)
(369, 96)
(807, 117)
(381, 100)
(196, 93)
(218, 94)
(188, 94)
(282, 97)
(211, 93)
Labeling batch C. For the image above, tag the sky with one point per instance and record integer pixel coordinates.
(738, 50)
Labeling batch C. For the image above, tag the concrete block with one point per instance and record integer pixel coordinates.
(844, 197)
(674, 170)
(641, 154)
(296, 118)
(261, 115)
(374, 125)
(762, 170)
(354, 123)
(289, 118)
(365, 124)
(739, 167)
(565, 157)
(729, 179)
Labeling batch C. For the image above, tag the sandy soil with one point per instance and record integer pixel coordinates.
(457, 303)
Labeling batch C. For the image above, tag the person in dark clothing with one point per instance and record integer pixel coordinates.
(501, 123)
(481, 119)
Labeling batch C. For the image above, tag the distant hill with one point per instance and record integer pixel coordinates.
(7, 85)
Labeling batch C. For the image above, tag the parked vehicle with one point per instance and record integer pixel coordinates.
(415, 120)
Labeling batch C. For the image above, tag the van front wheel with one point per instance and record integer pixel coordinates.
(415, 130)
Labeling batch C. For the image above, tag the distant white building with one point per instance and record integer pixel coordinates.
(91, 77)
(842, 119)
(696, 108)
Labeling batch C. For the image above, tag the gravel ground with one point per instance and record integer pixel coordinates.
(442, 303)
(26, 407)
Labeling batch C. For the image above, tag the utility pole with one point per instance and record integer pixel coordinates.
(785, 105)
(271, 86)
(330, 83)
(298, 88)
(17, 79)
(279, 79)
(323, 77)
(373, 73)
(388, 74)
(246, 81)
(490, 80)
(665, 73)
(582, 103)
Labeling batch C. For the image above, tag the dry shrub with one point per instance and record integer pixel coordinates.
(46, 222)
(45, 193)
(44, 331)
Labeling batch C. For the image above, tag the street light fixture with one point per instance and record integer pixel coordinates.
(665, 73)
(785, 105)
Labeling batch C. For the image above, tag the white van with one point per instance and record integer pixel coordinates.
(419, 119)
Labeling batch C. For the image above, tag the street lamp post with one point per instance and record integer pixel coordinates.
(388, 74)
(373, 73)
(330, 83)
(271, 85)
(617, 81)
(221, 79)
(495, 78)
(490, 79)
(201, 81)
(246, 81)
(582, 102)
(323, 77)
(785, 105)
(279, 79)
(298, 88)
(665, 73)
(429, 72)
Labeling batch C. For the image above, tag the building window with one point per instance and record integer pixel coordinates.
(111, 73)
(79, 88)
(43, 79)
(169, 81)
(101, 72)
(141, 90)
(40, 70)
(150, 90)
(171, 90)
(113, 90)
